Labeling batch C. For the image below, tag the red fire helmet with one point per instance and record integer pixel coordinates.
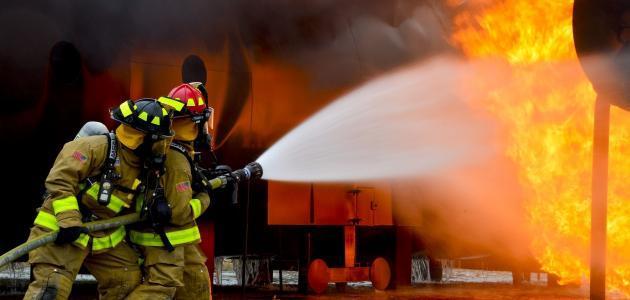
(192, 102)
(192, 98)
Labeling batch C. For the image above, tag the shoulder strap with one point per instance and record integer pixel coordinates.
(200, 182)
(112, 151)
(108, 171)
(181, 149)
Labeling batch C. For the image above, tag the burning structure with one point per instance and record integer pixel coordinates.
(547, 135)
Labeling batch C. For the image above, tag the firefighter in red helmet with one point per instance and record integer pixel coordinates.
(169, 267)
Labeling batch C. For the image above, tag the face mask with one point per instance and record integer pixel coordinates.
(185, 129)
(153, 152)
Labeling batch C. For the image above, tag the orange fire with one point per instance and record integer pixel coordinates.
(548, 109)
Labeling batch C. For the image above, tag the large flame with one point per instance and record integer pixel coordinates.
(548, 109)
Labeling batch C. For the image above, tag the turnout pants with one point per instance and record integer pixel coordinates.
(197, 284)
(55, 267)
(163, 274)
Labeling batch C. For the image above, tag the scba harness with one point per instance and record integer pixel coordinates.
(101, 187)
(200, 182)
(108, 173)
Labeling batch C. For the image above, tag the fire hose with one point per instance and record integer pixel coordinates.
(250, 172)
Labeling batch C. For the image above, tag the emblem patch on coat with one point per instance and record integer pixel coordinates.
(79, 156)
(183, 186)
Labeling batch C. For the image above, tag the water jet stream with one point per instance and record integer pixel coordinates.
(410, 122)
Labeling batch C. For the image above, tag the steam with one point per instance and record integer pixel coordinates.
(412, 122)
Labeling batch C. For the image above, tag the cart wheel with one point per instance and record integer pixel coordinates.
(380, 274)
(318, 276)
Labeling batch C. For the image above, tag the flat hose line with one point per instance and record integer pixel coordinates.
(49, 237)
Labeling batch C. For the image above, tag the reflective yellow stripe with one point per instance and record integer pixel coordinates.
(164, 112)
(135, 184)
(115, 204)
(65, 204)
(177, 105)
(156, 121)
(49, 221)
(143, 116)
(196, 207)
(93, 191)
(46, 220)
(175, 237)
(125, 109)
(110, 241)
(184, 236)
(201, 101)
(191, 102)
(82, 240)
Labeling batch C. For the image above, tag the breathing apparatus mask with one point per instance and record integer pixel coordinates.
(153, 151)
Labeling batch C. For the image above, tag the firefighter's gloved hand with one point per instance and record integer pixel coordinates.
(223, 169)
(231, 182)
(160, 211)
(217, 171)
(69, 234)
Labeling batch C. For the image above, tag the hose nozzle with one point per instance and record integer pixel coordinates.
(251, 171)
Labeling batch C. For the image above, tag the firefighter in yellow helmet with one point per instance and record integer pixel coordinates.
(97, 177)
(174, 262)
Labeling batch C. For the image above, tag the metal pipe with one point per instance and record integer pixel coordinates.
(245, 242)
(599, 199)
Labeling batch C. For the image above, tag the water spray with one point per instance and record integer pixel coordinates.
(414, 121)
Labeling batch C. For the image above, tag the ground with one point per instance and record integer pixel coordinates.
(457, 284)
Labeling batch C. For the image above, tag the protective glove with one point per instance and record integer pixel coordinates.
(217, 171)
(69, 234)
